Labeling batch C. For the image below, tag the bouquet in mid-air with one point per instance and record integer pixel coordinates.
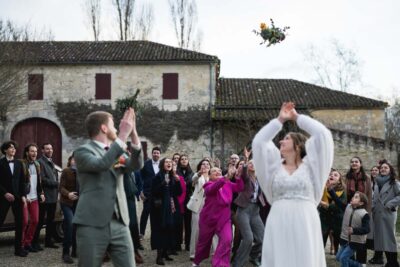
(272, 34)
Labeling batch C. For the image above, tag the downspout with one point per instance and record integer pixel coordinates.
(210, 88)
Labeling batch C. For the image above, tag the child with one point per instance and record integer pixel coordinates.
(355, 228)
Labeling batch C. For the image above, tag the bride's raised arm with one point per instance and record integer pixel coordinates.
(266, 156)
(319, 148)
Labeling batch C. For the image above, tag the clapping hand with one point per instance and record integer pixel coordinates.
(287, 112)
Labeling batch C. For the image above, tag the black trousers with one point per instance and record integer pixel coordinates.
(187, 218)
(145, 215)
(47, 210)
(16, 207)
(391, 258)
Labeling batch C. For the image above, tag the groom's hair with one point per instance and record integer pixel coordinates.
(94, 121)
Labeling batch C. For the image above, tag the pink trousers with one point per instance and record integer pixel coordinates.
(222, 254)
(30, 221)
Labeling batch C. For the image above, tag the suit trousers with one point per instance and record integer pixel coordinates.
(47, 210)
(93, 242)
(145, 216)
(16, 207)
(251, 229)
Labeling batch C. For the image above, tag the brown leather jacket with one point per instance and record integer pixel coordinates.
(68, 183)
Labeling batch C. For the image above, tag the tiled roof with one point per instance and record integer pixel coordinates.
(104, 52)
(262, 98)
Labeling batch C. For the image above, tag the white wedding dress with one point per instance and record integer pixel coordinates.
(292, 235)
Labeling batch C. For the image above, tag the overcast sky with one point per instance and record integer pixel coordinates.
(370, 27)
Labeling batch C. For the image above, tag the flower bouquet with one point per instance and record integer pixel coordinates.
(272, 35)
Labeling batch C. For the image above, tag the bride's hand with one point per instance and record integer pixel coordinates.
(287, 112)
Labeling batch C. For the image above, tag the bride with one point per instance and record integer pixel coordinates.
(293, 179)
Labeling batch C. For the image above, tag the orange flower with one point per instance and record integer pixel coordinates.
(263, 26)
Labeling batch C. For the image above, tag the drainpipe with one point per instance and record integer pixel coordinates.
(210, 104)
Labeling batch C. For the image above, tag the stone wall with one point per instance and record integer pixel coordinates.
(370, 150)
(360, 121)
(74, 84)
(347, 145)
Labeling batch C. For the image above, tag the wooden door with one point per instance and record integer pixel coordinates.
(38, 131)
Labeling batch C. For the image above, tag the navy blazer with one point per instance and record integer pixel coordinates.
(11, 183)
(147, 175)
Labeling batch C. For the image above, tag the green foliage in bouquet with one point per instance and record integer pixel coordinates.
(272, 35)
(129, 102)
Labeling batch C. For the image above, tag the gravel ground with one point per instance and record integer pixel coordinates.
(52, 257)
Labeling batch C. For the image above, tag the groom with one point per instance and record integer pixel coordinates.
(102, 216)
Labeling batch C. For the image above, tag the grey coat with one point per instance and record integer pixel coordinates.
(384, 212)
(49, 180)
(98, 183)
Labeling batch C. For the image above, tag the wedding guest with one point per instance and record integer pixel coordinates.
(385, 204)
(164, 204)
(32, 173)
(12, 192)
(215, 218)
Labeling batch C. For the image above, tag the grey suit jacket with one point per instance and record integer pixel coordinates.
(49, 178)
(98, 183)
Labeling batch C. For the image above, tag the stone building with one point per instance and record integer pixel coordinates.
(357, 123)
(185, 106)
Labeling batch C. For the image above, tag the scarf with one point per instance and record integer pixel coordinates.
(356, 183)
(381, 180)
(326, 197)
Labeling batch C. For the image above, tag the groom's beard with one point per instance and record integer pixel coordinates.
(111, 136)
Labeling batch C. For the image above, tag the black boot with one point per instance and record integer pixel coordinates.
(391, 259)
(166, 256)
(159, 260)
(377, 258)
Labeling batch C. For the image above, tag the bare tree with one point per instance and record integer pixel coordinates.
(339, 68)
(196, 44)
(393, 117)
(184, 18)
(14, 59)
(124, 10)
(144, 22)
(93, 12)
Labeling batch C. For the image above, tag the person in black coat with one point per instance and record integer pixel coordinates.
(185, 170)
(164, 204)
(147, 174)
(12, 192)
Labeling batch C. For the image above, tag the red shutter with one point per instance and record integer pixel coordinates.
(170, 86)
(35, 87)
(103, 86)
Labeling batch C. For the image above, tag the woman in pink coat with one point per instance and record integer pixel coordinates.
(215, 218)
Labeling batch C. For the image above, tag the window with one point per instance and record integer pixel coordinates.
(35, 87)
(103, 86)
(170, 86)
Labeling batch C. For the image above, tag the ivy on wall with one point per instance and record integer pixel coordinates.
(156, 125)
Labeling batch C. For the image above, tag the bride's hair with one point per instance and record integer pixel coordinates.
(299, 141)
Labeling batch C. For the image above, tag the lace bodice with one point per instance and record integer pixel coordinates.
(298, 185)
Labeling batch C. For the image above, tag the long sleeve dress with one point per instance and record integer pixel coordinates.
(293, 231)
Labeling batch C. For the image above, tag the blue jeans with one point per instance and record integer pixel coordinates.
(68, 227)
(344, 257)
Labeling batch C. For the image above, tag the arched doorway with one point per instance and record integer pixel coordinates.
(39, 131)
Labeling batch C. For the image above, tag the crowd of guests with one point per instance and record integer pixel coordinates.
(209, 209)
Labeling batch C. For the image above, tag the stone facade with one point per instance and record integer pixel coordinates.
(366, 122)
(74, 83)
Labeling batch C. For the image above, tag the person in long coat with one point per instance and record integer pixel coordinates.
(384, 211)
(164, 204)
